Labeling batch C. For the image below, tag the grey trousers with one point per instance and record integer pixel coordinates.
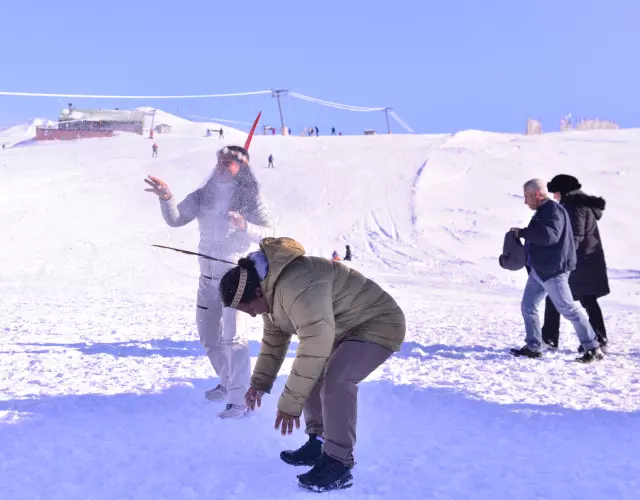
(332, 408)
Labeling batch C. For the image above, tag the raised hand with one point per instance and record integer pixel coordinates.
(237, 221)
(158, 187)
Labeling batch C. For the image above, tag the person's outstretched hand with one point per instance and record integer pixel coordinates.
(252, 397)
(285, 422)
(158, 187)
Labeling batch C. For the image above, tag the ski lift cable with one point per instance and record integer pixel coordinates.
(322, 102)
(91, 96)
(219, 119)
(395, 116)
(346, 107)
(330, 103)
(343, 108)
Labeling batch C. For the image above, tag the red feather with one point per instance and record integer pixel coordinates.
(253, 128)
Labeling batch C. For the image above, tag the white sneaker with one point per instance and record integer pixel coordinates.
(218, 393)
(233, 411)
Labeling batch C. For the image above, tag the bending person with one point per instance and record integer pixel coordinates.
(347, 327)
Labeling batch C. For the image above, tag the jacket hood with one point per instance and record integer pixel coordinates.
(580, 199)
(279, 252)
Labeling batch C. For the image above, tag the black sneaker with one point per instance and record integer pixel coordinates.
(307, 454)
(327, 475)
(525, 351)
(591, 355)
(603, 346)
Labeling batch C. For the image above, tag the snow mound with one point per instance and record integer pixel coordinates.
(101, 363)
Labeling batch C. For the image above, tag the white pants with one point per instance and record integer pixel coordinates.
(223, 333)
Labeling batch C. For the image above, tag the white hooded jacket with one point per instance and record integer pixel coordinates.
(210, 205)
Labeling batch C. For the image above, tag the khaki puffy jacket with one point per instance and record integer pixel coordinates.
(322, 302)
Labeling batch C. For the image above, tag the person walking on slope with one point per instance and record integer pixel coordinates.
(232, 216)
(154, 150)
(589, 280)
(221, 131)
(270, 162)
(333, 131)
(347, 255)
(347, 326)
(551, 256)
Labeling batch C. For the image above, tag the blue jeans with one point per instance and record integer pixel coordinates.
(560, 294)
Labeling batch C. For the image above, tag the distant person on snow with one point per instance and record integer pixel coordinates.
(333, 131)
(221, 136)
(335, 255)
(270, 162)
(347, 255)
(346, 325)
(317, 132)
(232, 217)
(551, 256)
(589, 280)
(154, 150)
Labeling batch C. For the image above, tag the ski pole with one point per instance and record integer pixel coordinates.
(194, 253)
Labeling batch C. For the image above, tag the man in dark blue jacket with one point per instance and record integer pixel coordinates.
(552, 256)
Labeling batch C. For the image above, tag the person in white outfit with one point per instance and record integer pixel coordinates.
(233, 217)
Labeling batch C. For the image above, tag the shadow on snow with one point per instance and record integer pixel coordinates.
(431, 443)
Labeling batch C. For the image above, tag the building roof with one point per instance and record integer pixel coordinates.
(101, 114)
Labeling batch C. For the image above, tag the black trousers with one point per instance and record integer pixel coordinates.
(551, 327)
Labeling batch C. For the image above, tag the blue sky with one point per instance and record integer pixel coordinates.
(443, 66)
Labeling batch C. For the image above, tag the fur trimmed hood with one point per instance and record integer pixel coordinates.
(580, 199)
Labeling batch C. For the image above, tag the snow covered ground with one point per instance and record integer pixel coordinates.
(102, 375)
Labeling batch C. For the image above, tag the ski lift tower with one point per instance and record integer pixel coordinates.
(276, 93)
(386, 114)
(153, 121)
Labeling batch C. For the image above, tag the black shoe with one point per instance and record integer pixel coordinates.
(603, 346)
(591, 355)
(307, 454)
(327, 475)
(551, 343)
(525, 351)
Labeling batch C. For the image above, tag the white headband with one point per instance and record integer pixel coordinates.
(242, 284)
(236, 154)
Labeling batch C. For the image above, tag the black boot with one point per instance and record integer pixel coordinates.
(591, 355)
(327, 475)
(525, 351)
(603, 345)
(307, 454)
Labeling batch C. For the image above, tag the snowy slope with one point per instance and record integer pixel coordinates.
(19, 134)
(102, 374)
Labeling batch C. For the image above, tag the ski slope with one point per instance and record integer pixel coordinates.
(102, 374)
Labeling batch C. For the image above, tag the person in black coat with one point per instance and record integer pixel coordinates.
(589, 281)
(347, 255)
